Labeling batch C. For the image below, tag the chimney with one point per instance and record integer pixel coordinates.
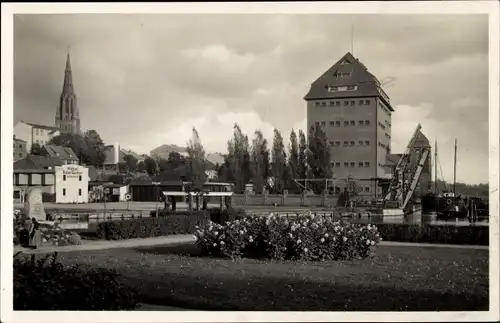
(116, 153)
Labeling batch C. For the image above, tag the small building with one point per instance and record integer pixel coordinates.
(114, 158)
(24, 179)
(65, 154)
(117, 192)
(20, 149)
(34, 133)
(147, 190)
(72, 184)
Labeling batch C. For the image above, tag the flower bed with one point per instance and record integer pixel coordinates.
(48, 285)
(175, 223)
(440, 234)
(306, 237)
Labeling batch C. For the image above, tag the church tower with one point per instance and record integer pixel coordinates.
(67, 114)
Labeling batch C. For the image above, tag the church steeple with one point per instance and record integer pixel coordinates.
(67, 114)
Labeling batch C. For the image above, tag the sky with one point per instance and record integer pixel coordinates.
(146, 80)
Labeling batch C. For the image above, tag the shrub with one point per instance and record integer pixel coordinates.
(151, 227)
(57, 236)
(227, 215)
(48, 285)
(445, 234)
(306, 237)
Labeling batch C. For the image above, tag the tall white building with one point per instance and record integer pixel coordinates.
(34, 133)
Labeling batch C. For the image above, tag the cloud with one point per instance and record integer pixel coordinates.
(146, 80)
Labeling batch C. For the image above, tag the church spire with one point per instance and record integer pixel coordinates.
(68, 78)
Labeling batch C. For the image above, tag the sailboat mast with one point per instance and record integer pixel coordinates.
(455, 170)
(435, 165)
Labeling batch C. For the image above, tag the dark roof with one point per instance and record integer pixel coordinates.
(93, 174)
(33, 171)
(422, 140)
(112, 185)
(40, 126)
(150, 183)
(19, 140)
(37, 162)
(64, 153)
(367, 84)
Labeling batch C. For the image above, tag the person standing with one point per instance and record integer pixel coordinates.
(35, 235)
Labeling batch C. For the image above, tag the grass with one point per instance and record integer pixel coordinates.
(396, 278)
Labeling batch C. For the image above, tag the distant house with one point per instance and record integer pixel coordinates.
(34, 133)
(114, 157)
(32, 162)
(20, 150)
(65, 154)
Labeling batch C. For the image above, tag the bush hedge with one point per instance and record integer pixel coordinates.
(47, 285)
(305, 237)
(439, 234)
(175, 223)
(226, 215)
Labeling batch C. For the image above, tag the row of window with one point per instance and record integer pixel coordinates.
(351, 164)
(387, 123)
(381, 125)
(41, 142)
(79, 192)
(352, 143)
(385, 109)
(338, 103)
(346, 123)
(20, 146)
(20, 155)
(38, 131)
(381, 145)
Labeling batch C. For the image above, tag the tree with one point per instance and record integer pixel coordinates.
(293, 157)
(319, 157)
(141, 167)
(175, 159)
(302, 156)
(36, 149)
(130, 163)
(239, 158)
(259, 161)
(278, 161)
(150, 166)
(196, 162)
(96, 149)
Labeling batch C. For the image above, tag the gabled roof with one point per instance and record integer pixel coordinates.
(39, 126)
(63, 153)
(348, 71)
(37, 162)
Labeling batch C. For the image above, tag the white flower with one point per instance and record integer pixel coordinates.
(372, 242)
(241, 232)
(290, 235)
(322, 239)
(305, 250)
(216, 233)
(196, 238)
(326, 235)
(367, 242)
(250, 240)
(215, 245)
(44, 240)
(334, 239)
(299, 241)
(222, 243)
(344, 238)
(380, 238)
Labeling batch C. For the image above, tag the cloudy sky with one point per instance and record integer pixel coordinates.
(146, 80)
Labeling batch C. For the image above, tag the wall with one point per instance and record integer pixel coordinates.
(20, 150)
(384, 126)
(72, 183)
(23, 131)
(350, 125)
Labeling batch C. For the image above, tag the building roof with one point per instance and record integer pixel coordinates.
(366, 84)
(39, 126)
(422, 140)
(63, 153)
(150, 183)
(33, 171)
(37, 162)
(18, 140)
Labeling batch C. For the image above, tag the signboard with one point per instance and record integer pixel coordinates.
(72, 172)
(116, 191)
(128, 197)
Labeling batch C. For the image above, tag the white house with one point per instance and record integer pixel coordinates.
(72, 184)
(34, 133)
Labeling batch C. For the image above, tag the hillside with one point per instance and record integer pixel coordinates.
(164, 150)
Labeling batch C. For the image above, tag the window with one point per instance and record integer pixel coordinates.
(20, 146)
(79, 192)
(332, 103)
(332, 143)
(367, 188)
(367, 142)
(317, 124)
(346, 123)
(332, 123)
(64, 192)
(337, 123)
(360, 142)
(353, 123)
(20, 155)
(367, 122)
(361, 102)
(337, 143)
(353, 102)
(351, 88)
(337, 103)
(367, 102)
(367, 164)
(352, 143)
(41, 131)
(346, 164)
(345, 62)
(360, 164)
(323, 123)
(352, 164)
(346, 103)
(36, 131)
(64, 177)
(361, 122)
(323, 104)
(346, 143)
(337, 164)
(317, 104)
(80, 178)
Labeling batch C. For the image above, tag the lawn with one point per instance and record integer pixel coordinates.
(396, 278)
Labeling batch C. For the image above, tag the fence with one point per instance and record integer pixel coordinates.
(284, 199)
